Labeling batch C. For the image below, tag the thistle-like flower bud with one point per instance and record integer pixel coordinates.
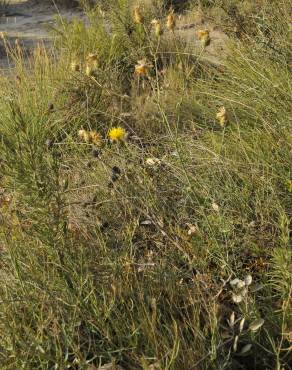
(170, 21)
(157, 27)
(222, 116)
(204, 37)
(75, 67)
(137, 15)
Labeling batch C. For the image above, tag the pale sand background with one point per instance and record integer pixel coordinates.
(29, 22)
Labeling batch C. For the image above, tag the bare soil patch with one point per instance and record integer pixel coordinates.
(29, 22)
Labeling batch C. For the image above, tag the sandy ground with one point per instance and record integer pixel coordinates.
(29, 22)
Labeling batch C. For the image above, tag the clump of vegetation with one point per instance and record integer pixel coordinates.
(146, 193)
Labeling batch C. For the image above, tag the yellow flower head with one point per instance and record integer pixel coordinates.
(204, 37)
(170, 21)
(117, 134)
(157, 27)
(137, 16)
(222, 116)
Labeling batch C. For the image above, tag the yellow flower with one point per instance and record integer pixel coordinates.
(75, 67)
(204, 37)
(170, 21)
(222, 116)
(137, 16)
(117, 134)
(157, 27)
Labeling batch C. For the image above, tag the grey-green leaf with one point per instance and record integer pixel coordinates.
(256, 324)
(245, 349)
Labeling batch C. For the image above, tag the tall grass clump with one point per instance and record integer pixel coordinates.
(146, 195)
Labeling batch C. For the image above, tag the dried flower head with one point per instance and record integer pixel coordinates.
(5, 200)
(157, 27)
(84, 136)
(75, 67)
(170, 21)
(90, 137)
(222, 116)
(234, 282)
(193, 230)
(237, 298)
(89, 70)
(204, 37)
(18, 79)
(95, 137)
(137, 15)
(289, 185)
(142, 68)
(240, 284)
(153, 161)
(215, 207)
(117, 134)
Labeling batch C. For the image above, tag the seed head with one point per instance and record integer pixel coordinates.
(170, 21)
(75, 67)
(92, 59)
(89, 71)
(222, 116)
(157, 27)
(137, 15)
(90, 137)
(95, 137)
(142, 68)
(84, 135)
(204, 37)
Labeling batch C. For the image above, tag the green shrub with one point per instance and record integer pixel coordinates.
(126, 252)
